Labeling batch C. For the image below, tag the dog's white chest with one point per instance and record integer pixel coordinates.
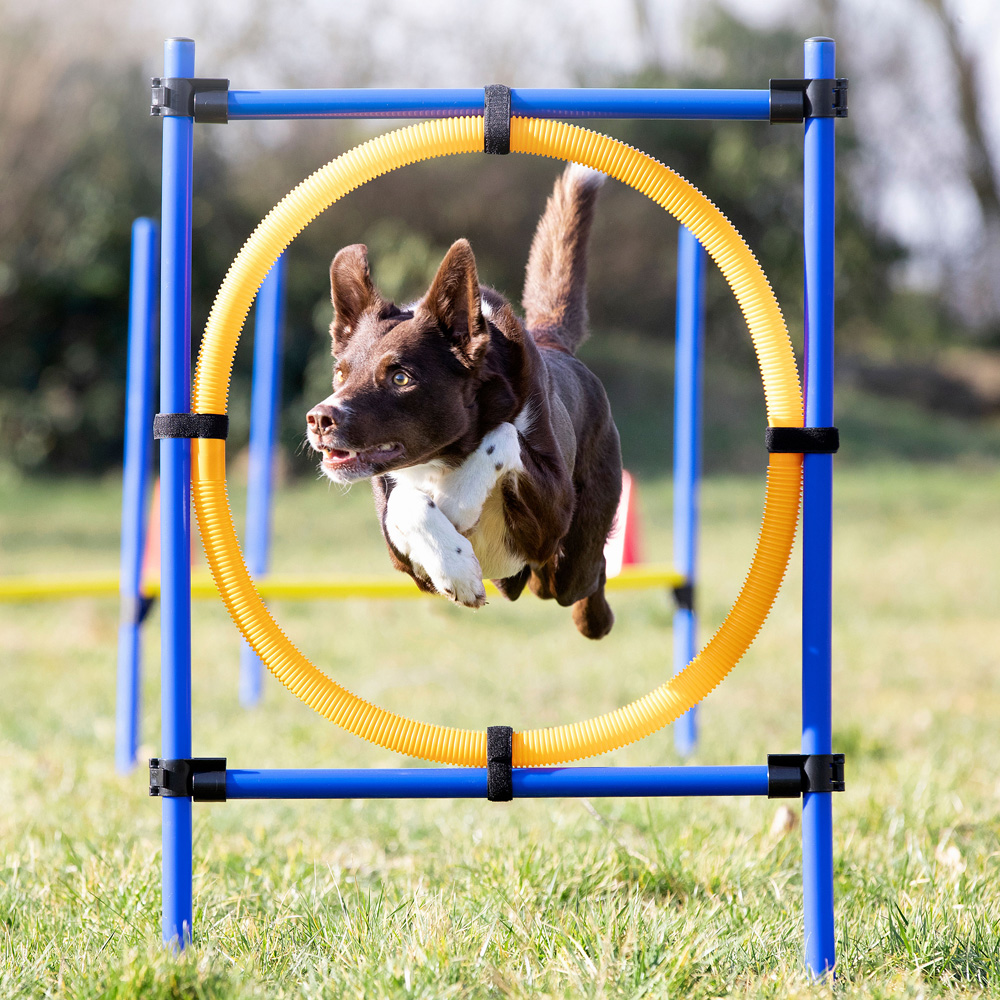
(471, 497)
(490, 540)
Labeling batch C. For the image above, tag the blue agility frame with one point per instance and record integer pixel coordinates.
(140, 385)
(688, 369)
(265, 394)
(265, 399)
(175, 526)
(268, 328)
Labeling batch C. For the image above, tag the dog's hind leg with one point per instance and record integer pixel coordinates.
(512, 586)
(593, 616)
(576, 574)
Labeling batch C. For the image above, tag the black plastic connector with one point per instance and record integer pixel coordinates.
(499, 766)
(790, 775)
(205, 100)
(796, 100)
(200, 778)
(684, 596)
(135, 609)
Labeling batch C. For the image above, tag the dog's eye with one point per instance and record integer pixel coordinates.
(338, 377)
(400, 379)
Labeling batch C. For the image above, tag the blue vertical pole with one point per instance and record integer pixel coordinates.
(265, 398)
(688, 367)
(175, 494)
(136, 475)
(817, 809)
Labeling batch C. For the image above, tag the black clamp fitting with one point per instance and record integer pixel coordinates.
(684, 596)
(134, 609)
(499, 767)
(790, 775)
(796, 100)
(200, 778)
(496, 119)
(205, 100)
(190, 425)
(802, 440)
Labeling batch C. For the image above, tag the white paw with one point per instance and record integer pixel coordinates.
(437, 552)
(455, 573)
(463, 494)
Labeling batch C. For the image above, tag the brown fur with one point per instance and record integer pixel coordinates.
(417, 391)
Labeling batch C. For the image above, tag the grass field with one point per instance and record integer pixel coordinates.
(684, 898)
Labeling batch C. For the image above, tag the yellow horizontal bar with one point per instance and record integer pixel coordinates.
(306, 588)
(646, 576)
(41, 588)
(302, 588)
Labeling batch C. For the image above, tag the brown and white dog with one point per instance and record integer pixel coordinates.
(491, 448)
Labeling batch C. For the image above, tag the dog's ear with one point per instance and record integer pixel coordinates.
(453, 301)
(352, 293)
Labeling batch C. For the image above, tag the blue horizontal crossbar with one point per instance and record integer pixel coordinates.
(464, 783)
(718, 105)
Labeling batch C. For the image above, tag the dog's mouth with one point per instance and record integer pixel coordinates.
(345, 461)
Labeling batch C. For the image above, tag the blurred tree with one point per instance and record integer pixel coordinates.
(69, 196)
(979, 289)
(77, 170)
(78, 176)
(929, 166)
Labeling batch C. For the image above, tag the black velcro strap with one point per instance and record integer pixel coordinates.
(803, 440)
(190, 425)
(496, 119)
(499, 770)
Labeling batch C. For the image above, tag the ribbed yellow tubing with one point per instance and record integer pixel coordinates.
(781, 389)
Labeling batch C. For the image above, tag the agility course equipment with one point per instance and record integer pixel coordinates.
(690, 339)
(139, 593)
(210, 396)
(815, 773)
(138, 465)
(292, 588)
(264, 405)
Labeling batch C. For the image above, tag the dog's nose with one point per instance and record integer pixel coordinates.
(322, 418)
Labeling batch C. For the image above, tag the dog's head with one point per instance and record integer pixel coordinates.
(404, 381)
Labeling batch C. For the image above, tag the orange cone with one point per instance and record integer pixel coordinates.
(623, 547)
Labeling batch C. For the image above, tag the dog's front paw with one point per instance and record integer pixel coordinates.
(437, 553)
(455, 574)
(472, 482)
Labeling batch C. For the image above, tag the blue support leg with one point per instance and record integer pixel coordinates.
(264, 410)
(817, 810)
(688, 368)
(136, 476)
(175, 495)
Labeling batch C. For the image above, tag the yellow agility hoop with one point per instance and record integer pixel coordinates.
(782, 392)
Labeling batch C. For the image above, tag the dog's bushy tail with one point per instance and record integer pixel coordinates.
(555, 286)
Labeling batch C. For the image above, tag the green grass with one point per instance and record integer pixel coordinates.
(686, 898)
